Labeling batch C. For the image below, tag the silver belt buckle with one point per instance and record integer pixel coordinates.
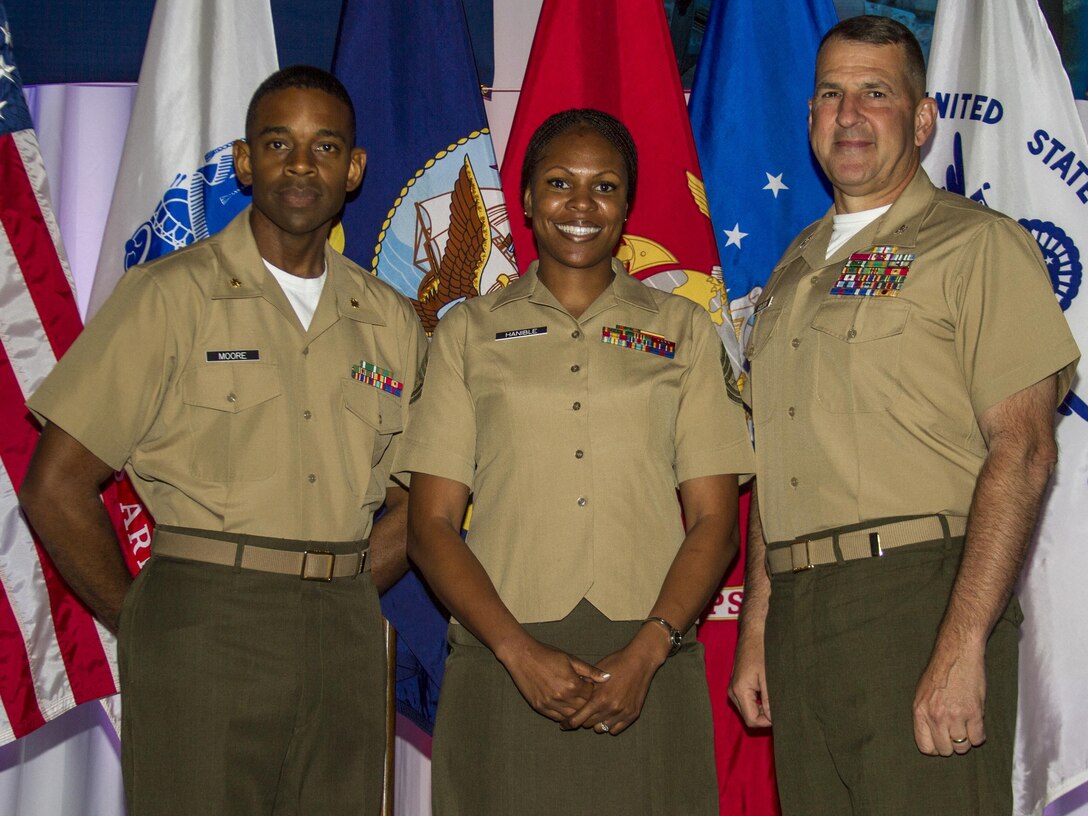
(317, 571)
(808, 556)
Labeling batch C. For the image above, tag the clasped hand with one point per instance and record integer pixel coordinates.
(577, 694)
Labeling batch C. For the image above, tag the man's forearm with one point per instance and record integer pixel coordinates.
(1004, 510)
(757, 584)
(388, 558)
(61, 498)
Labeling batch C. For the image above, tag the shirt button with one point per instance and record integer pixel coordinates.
(231, 397)
(815, 279)
(578, 454)
(577, 406)
(852, 333)
(793, 482)
(582, 501)
(790, 411)
(574, 369)
(576, 334)
(306, 415)
(311, 478)
(795, 342)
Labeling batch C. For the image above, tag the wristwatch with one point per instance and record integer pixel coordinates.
(676, 638)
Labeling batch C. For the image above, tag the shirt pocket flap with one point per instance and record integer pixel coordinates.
(860, 320)
(765, 322)
(374, 407)
(231, 388)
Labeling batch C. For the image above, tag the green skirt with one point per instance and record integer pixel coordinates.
(493, 755)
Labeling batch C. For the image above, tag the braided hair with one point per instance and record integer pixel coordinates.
(608, 126)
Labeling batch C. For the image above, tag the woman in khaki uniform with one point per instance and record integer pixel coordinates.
(572, 405)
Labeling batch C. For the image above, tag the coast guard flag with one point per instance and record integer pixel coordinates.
(1009, 137)
(617, 56)
(763, 187)
(749, 103)
(176, 184)
(430, 220)
(53, 655)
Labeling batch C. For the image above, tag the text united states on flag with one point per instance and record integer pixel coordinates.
(53, 655)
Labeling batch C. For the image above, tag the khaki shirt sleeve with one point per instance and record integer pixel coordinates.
(106, 391)
(414, 365)
(441, 436)
(1010, 331)
(711, 431)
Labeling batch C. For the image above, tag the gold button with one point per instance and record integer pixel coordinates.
(235, 283)
(577, 406)
(795, 342)
(578, 454)
(576, 334)
(790, 411)
(306, 415)
(814, 279)
(582, 501)
(355, 303)
(231, 397)
(311, 478)
(793, 482)
(852, 333)
(574, 369)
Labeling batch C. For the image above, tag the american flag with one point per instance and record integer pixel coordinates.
(53, 655)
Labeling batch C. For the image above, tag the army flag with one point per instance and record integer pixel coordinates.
(176, 184)
(430, 220)
(617, 56)
(749, 104)
(1008, 136)
(53, 655)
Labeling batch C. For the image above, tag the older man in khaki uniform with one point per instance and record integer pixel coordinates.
(254, 386)
(906, 360)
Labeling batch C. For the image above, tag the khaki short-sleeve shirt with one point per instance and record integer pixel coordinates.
(866, 405)
(197, 377)
(573, 435)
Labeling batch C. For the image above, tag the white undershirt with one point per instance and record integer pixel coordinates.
(847, 225)
(302, 293)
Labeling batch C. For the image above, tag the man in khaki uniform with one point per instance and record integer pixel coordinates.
(254, 386)
(906, 360)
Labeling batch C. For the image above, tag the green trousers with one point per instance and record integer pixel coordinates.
(846, 645)
(251, 693)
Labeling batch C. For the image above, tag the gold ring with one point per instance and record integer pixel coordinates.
(959, 741)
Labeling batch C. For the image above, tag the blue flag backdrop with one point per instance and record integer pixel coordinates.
(748, 111)
(430, 220)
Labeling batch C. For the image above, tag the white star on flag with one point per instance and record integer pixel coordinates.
(774, 184)
(6, 31)
(3, 105)
(734, 236)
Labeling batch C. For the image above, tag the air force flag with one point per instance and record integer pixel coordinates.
(1008, 136)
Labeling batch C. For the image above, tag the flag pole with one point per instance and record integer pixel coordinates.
(390, 716)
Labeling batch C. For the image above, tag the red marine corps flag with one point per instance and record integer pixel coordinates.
(617, 56)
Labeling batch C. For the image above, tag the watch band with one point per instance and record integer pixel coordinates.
(676, 637)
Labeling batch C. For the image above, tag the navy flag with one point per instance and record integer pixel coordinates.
(430, 220)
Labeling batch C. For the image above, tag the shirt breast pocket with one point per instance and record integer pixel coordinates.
(237, 421)
(758, 352)
(858, 356)
(369, 420)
